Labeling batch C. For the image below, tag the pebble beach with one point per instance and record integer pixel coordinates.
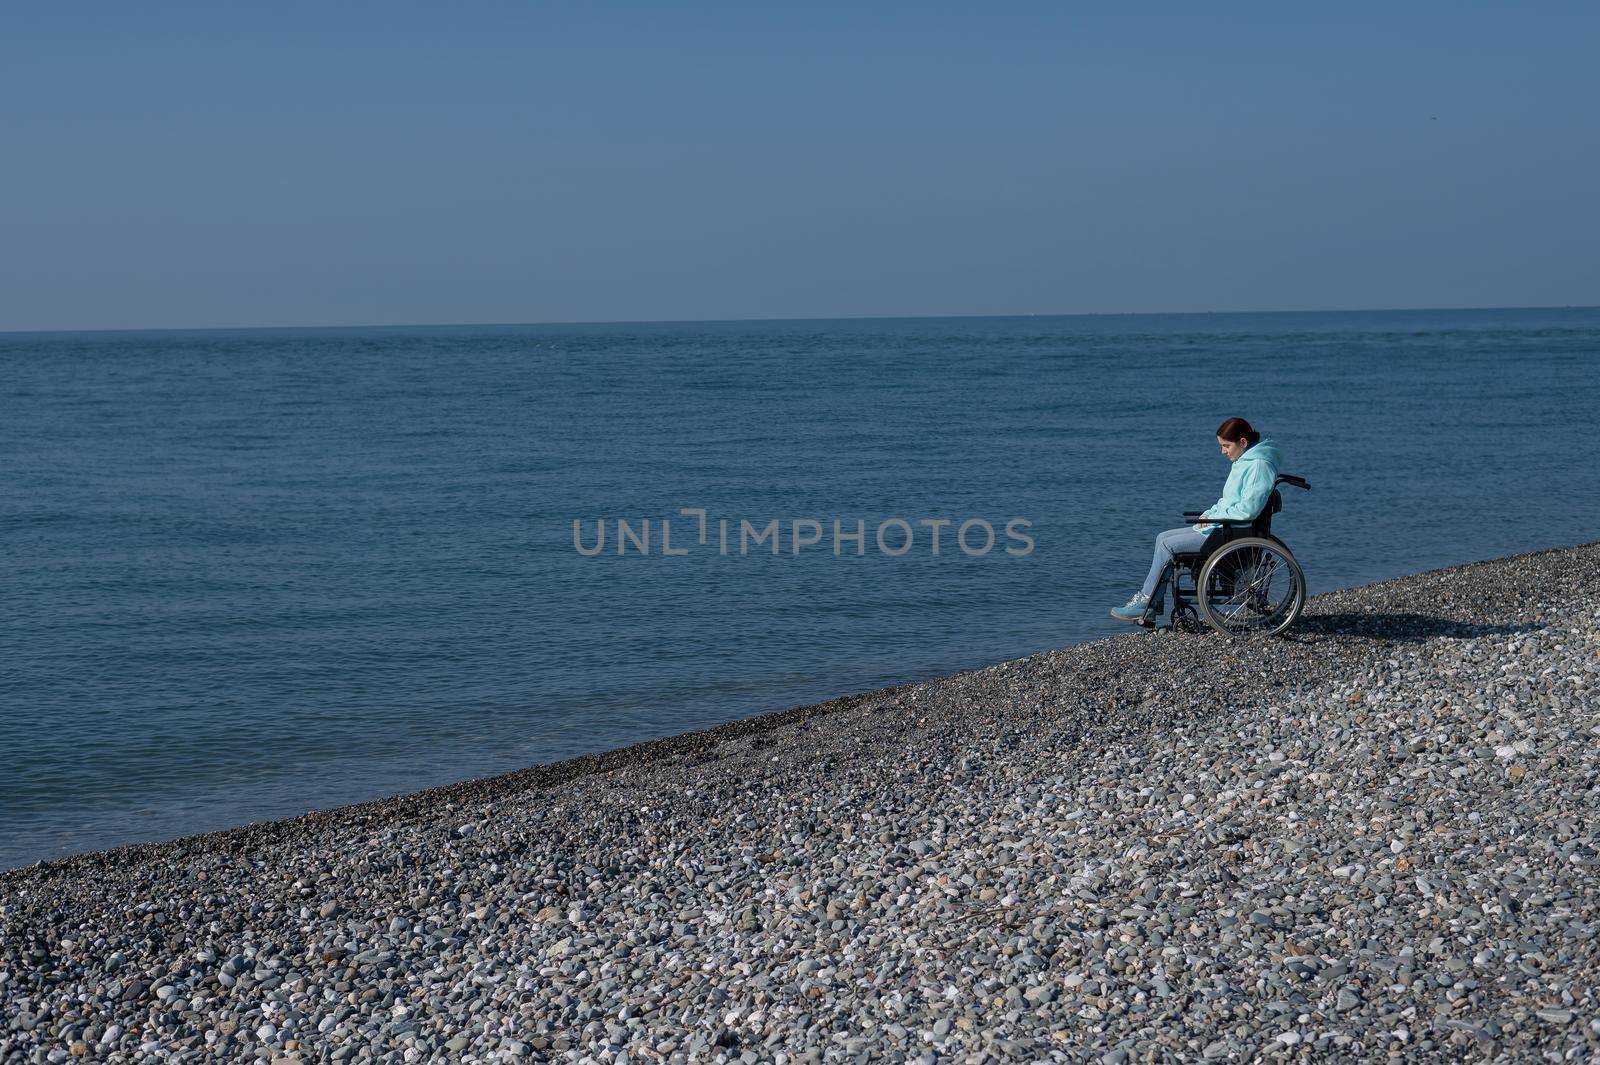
(1372, 840)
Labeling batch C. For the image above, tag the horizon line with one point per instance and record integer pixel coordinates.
(757, 320)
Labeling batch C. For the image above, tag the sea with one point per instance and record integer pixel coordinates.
(252, 573)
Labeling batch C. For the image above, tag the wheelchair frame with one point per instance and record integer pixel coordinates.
(1190, 604)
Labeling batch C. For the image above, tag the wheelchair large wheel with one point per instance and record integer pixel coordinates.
(1251, 587)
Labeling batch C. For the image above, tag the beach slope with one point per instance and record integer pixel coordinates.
(1374, 838)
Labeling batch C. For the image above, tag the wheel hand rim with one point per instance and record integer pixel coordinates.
(1252, 588)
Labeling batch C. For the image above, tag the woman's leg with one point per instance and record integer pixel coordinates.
(1168, 544)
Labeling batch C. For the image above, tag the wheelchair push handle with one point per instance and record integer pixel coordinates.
(1297, 482)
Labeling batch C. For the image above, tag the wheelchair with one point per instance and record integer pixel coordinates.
(1243, 581)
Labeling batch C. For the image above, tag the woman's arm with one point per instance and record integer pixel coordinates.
(1255, 485)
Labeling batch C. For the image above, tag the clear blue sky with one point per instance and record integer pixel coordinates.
(291, 163)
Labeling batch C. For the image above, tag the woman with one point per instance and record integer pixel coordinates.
(1255, 469)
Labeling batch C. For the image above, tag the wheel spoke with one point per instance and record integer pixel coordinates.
(1262, 578)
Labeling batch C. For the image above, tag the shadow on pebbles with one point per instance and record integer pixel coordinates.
(1373, 839)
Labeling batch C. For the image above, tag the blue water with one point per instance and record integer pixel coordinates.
(252, 573)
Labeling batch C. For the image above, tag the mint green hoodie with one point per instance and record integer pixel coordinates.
(1249, 484)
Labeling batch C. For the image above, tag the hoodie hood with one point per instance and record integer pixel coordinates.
(1266, 450)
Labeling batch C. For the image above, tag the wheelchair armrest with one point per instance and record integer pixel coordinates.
(1196, 516)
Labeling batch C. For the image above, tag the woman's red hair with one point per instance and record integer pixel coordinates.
(1238, 429)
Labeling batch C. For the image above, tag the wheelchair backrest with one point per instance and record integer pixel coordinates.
(1263, 523)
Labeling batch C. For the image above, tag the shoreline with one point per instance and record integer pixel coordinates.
(723, 823)
(664, 751)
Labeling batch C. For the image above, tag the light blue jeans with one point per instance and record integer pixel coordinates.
(1167, 544)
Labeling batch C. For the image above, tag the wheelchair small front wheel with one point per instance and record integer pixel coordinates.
(1251, 587)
